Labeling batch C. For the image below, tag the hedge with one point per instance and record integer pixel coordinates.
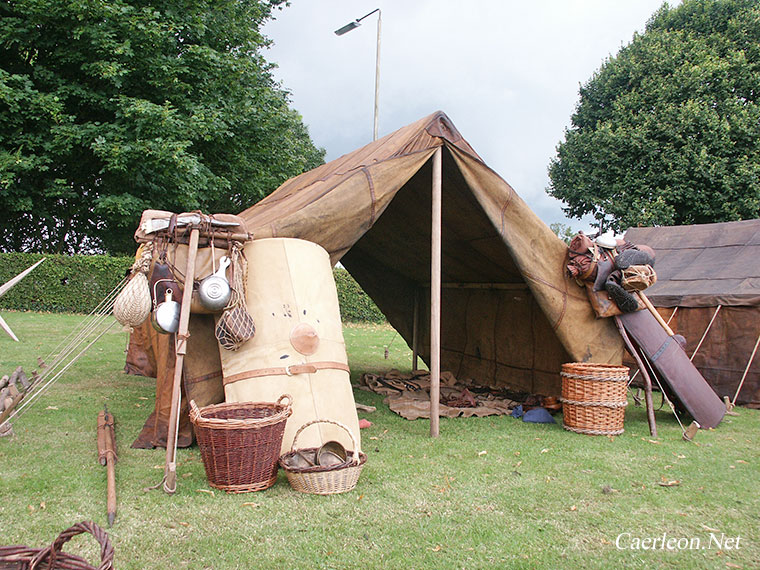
(77, 284)
(65, 284)
(355, 304)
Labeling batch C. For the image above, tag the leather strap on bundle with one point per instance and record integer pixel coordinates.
(305, 368)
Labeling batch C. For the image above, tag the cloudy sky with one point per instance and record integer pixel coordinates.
(506, 72)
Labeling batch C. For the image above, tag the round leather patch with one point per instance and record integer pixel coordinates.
(304, 339)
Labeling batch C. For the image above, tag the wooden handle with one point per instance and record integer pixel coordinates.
(170, 464)
(356, 451)
(654, 312)
(111, 489)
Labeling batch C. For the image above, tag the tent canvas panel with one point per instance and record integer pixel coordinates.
(723, 356)
(703, 267)
(371, 210)
(540, 257)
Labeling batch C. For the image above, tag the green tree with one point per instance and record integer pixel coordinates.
(667, 132)
(109, 107)
(563, 231)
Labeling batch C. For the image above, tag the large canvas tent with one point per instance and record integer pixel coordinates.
(510, 316)
(709, 273)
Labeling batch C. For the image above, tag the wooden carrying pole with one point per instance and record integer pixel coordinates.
(107, 456)
(435, 297)
(170, 466)
(655, 313)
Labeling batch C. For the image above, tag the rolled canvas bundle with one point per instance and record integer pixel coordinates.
(298, 348)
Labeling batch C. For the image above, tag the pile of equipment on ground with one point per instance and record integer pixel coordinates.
(257, 351)
(615, 274)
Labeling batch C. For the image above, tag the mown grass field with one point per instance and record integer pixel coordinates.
(488, 493)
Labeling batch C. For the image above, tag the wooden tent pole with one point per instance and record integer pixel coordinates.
(7, 329)
(435, 297)
(170, 466)
(707, 330)
(644, 373)
(746, 370)
(7, 286)
(416, 329)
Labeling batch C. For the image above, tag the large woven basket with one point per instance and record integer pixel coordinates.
(320, 480)
(594, 397)
(27, 558)
(240, 442)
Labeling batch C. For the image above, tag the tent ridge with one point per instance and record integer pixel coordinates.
(373, 200)
(503, 212)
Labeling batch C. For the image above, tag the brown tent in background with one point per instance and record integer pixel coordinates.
(509, 315)
(711, 272)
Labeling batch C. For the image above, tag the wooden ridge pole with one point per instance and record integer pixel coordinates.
(170, 466)
(435, 297)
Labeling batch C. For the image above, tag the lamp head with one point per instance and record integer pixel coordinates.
(347, 28)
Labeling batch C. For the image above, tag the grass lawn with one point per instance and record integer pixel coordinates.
(488, 493)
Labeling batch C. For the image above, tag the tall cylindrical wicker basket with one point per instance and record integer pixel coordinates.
(594, 397)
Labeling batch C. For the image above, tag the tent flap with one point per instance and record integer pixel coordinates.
(510, 316)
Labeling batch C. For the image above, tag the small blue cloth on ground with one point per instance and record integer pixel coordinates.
(517, 412)
(538, 416)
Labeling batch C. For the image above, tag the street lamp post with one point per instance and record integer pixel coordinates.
(353, 25)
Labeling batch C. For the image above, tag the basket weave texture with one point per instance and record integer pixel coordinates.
(240, 442)
(321, 480)
(27, 558)
(594, 397)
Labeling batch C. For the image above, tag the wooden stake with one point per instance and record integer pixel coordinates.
(170, 465)
(435, 297)
(107, 457)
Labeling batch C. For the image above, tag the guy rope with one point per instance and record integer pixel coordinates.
(68, 351)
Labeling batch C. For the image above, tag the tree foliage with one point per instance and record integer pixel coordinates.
(667, 132)
(109, 107)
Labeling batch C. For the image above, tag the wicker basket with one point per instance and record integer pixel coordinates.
(594, 397)
(26, 558)
(240, 442)
(320, 480)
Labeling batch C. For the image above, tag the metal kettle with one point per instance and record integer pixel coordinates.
(214, 291)
(165, 317)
